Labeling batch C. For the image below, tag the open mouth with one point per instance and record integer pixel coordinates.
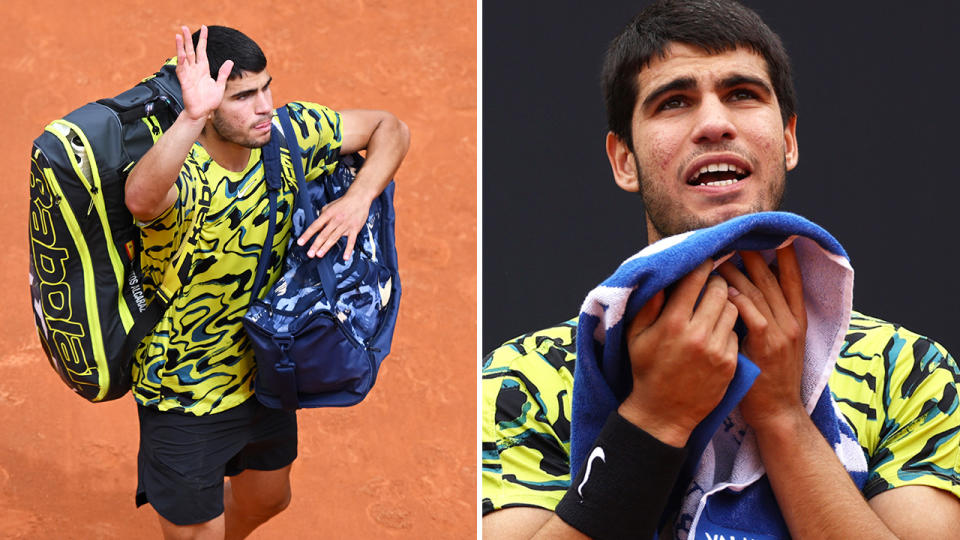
(717, 174)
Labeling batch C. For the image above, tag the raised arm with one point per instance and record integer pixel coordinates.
(151, 188)
(673, 342)
(386, 140)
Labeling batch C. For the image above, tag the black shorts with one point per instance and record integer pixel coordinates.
(183, 458)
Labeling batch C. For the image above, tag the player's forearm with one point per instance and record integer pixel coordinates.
(559, 529)
(385, 151)
(813, 490)
(149, 189)
(527, 523)
(620, 491)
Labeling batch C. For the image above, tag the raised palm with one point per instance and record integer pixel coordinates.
(201, 94)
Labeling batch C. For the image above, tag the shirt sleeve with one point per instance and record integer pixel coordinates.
(526, 424)
(919, 441)
(318, 135)
(162, 236)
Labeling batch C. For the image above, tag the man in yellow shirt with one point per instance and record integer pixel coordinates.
(193, 375)
(702, 122)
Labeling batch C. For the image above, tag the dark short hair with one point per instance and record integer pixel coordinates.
(225, 43)
(712, 25)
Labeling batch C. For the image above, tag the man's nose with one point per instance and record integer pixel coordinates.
(714, 123)
(264, 102)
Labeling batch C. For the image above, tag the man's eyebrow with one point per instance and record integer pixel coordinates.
(738, 80)
(682, 83)
(252, 90)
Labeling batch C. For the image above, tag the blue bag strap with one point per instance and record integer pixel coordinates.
(285, 373)
(324, 265)
(271, 175)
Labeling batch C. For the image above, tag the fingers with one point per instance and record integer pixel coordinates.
(733, 347)
(327, 234)
(723, 338)
(712, 304)
(186, 54)
(344, 217)
(224, 73)
(762, 287)
(351, 239)
(791, 282)
(765, 281)
(728, 317)
(317, 226)
(326, 240)
(749, 301)
(762, 298)
(187, 41)
(684, 296)
(647, 315)
(181, 52)
(748, 310)
(201, 53)
(711, 321)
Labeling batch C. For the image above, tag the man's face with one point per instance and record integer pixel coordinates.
(244, 115)
(709, 143)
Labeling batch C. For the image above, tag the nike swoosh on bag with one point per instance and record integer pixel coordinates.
(385, 291)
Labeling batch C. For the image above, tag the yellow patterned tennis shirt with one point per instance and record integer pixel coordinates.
(897, 389)
(198, 359)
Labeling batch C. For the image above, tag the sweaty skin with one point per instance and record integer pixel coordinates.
(695, 110)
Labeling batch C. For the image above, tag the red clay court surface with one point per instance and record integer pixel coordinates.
(402, 464)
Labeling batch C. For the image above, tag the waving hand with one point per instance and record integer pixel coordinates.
(201, 94)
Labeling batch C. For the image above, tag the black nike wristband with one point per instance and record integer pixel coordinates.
(623, 486)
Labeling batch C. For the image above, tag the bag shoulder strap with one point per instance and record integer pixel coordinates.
(328, 278)
(272, 176)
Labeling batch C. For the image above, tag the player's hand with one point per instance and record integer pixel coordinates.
(201, 94)
(773, 311)
(342, 217)
(683, 356)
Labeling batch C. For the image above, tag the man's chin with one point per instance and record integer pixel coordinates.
(698, 220)
(259, 143)
(726, 214)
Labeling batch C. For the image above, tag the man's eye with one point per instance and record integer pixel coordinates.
(672, 103)
(741, 94)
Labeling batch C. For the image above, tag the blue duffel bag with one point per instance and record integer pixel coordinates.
(320, 334)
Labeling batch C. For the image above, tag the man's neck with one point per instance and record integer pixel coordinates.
(229, 155)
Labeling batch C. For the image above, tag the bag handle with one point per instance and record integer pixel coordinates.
(304, 211)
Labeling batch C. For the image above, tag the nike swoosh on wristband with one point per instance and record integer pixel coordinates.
(597, 453)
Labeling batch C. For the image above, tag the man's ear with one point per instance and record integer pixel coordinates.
(622, 163)
(791, 153)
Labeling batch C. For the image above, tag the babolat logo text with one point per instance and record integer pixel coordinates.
(137, 291)
(49, 261)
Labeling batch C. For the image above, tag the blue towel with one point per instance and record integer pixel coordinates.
(723, 486)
